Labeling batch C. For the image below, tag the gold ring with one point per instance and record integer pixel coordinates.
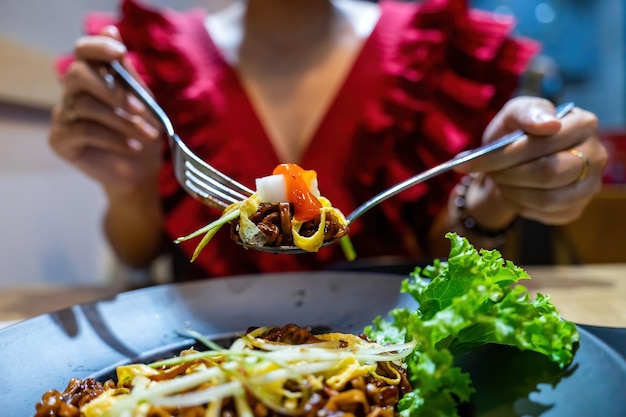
(70, 114)
(584, 170)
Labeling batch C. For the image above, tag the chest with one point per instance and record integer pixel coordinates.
(292, 95)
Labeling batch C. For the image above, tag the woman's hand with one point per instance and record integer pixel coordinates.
(101, 128)
(548, 177)
(107, 133)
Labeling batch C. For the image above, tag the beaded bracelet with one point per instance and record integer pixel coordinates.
(497, 237)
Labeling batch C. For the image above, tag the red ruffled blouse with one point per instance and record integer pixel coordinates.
(423, 88)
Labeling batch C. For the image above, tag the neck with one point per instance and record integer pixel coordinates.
(288, 21)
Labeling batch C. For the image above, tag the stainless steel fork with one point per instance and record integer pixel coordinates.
(207, 184)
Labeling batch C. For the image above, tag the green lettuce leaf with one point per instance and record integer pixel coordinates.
(470, 300)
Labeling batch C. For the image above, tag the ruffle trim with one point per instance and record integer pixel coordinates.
(451, 71)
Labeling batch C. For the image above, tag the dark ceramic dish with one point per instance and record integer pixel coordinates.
(91, 339)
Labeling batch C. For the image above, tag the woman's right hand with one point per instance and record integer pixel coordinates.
(103, 129)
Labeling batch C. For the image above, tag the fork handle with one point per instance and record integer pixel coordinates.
(561, 111)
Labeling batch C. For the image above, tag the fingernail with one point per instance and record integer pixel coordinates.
(110, 30)
(113, 31)
(150, 130)
(135, 105)
(118, 47)
(122, 113)
(543, 117)
(134, 144)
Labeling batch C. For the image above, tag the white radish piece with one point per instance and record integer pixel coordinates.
(271, 189)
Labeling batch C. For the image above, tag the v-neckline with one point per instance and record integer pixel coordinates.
(247, 121)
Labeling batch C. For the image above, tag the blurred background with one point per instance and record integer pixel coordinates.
(51, 214)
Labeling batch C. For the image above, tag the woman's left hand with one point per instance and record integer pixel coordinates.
(550, 176)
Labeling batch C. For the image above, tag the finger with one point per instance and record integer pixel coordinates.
(565, 216)
(87, 108)
(105, 47)
(99, 48)
(84, 78)
(548, 203)
(107, 167)
(91, 119)
(576, 128)
(70, 140)
(533, 115)
(548, 172)
(112, 32)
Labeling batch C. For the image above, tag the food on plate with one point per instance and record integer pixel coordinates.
(402, 365)
(287, 209)
(269, 371)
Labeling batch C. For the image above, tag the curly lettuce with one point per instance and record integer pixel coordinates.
(470, 300)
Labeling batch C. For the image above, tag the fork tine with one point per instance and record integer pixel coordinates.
(202, 196)
(210, 173)
(203, 181)
(199, 191)
(193, 173)
(208, 189)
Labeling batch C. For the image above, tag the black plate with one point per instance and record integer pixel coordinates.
(91, 339)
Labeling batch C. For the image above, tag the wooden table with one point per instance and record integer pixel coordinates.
(593, 294)
(587, 294)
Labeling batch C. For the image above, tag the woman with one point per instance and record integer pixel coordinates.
(365, 94)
